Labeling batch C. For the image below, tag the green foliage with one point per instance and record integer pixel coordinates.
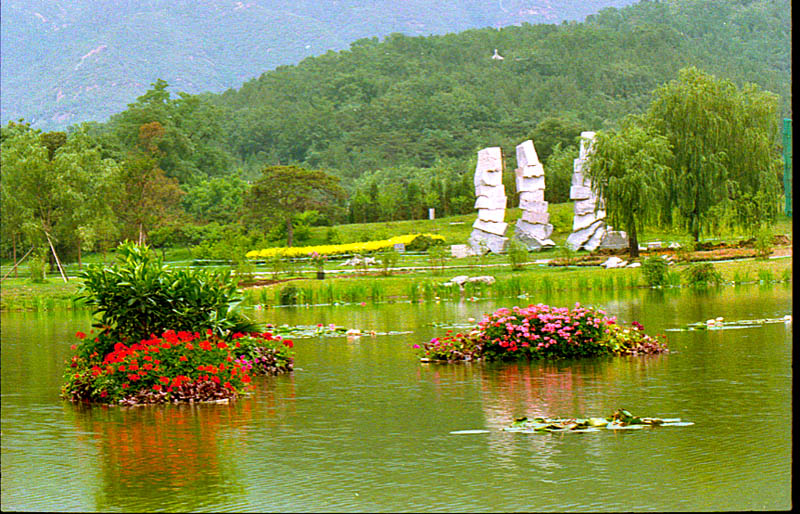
(628, 169)
(215, 199)
(388, 259)
(764, 243)
(423, 243)
(702, 274)
(559, 168)
(765, 276)
(655, 271)
(437, 255)
(683, 253)
(289, 295)
(723, 144)
(517, 254)
(139, 296)
(37, 266)
(284, 192)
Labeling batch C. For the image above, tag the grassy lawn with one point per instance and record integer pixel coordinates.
(415, 274)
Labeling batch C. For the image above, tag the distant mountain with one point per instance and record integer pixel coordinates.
(68, 61)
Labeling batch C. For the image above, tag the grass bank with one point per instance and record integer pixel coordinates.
(417, 276)
(434, 285)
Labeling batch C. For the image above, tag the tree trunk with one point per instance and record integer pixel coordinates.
(633, 242)
(289, 232)
(141, 234)
(14, 250)
(79, 254)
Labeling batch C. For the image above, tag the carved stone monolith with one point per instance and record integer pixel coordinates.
(589, 230)
(488, 231)
(533, 228)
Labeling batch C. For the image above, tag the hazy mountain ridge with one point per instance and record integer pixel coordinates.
(66, 62)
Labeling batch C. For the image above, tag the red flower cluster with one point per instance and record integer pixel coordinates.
(165, 364)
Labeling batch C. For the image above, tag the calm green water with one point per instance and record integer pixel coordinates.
(362, 426)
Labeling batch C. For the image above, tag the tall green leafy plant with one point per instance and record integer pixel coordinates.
(140, 296)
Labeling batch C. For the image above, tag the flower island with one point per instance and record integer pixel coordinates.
(175, 367)
(542, 332)
(205, 349)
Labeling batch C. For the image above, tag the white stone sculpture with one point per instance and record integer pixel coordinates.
(589, 230)
(488, 231)
(533, 228)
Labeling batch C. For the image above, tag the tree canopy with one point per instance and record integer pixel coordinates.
(628, 169)
(724, 144)
(283, 192)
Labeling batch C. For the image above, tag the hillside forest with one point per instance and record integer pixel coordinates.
(388, 129)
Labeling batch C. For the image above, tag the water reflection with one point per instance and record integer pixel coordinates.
(362, 426)
(189, 454)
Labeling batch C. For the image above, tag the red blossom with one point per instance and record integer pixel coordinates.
(80, 335)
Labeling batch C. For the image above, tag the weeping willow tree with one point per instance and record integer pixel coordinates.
(628, 169)
(725, 163)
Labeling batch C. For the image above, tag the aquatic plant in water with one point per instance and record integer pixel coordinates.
(621, 419)
(541, 331)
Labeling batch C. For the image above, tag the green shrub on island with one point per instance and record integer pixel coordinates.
(176, 367)
(541, 331)
(655, 270)
(206, 350)
(140, 296)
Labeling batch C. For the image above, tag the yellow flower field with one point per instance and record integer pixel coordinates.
(360, 247)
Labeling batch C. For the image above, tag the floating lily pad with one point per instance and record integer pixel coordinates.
(621, 419)
(719, 324)
(308, 331)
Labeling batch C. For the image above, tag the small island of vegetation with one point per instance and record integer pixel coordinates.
(542, 332)
(204, 351)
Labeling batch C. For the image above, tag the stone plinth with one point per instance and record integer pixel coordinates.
(615, 240)
(481, 242)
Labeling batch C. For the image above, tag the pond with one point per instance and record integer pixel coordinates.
(362, 426)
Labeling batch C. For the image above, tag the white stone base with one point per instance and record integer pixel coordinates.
(540, 231)
(481, 242)
(578, 239)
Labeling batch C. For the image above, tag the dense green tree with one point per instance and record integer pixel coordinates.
(628, 170)
(37, 197)
(553, 131)
(283, 192)
(558, 173)
(147, 198)
(215, 199)
(90, 220)
(723, 140)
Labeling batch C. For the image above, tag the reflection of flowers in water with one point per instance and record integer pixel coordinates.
(182, 451)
